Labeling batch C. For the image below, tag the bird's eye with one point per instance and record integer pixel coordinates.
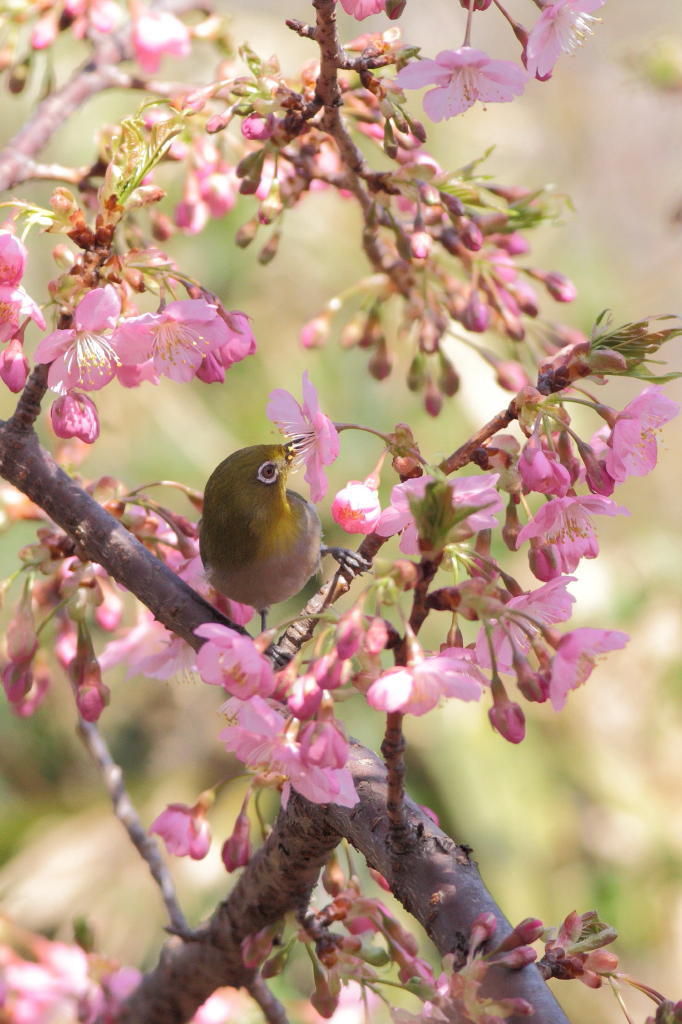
(267, 472)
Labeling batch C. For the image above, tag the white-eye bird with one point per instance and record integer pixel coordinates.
(259, 542)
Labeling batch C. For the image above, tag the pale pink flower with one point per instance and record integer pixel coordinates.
(232, 660)
(13, 258)
(541, 470)
(75, 415)
(184, 830)
(156, 33)
(562, 26)
(324, 744)
(514, 628)
(416, 688)
(361, 9)
(176, 339)
(565, 523)
(45, 31)
(101, 15)
(150, 649)
(632, 449)
(315, 436)
(263, 739)
(576, 656)
(356, 507)
(461, 77)
(477, 493)
(84, 356)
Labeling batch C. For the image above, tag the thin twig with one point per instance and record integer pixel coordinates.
(273, 1011)
(124, 810)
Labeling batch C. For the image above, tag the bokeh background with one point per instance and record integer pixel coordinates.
(587, 812)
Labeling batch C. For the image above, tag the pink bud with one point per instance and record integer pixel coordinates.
(544, 560)
(91, 699)
(184, 830)
(75, 415)
(305, 696)
(14, 366)
(349, 633)
(258, 128)
(476, 314)
(517, 958)
(559, 286)
(470, 234)
(508, 719)
(483, 928)
(420, 244)
(236, 851)
(211, 371)
(511, 375)
(376, 636)
(315, 332)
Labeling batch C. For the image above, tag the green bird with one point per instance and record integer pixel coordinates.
(259, 542)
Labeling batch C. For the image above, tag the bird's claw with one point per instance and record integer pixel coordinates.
(351, 563)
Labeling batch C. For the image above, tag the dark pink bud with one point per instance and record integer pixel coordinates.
(483, 928)
(527, 931)
(211, 371)
(515, 959)
(559, 286)
(75, 415)
(433, 400)
(236, 851)
(476, 313)
(258, 128)
(470, 234)
(597, 477)
(14, 366)
(305, 696)
(544, 560)
(514, 243)
(349, 633)
(506, 717)
(394, 8)
(479, 5)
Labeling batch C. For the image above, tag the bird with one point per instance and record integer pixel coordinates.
(259, 542)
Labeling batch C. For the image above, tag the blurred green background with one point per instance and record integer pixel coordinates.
(587, 812)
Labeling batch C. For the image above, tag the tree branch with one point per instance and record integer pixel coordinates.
(435, 880)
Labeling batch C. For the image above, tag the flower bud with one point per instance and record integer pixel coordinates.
(433, 400)
(236, 850)
(505, 716)
(305, 696)
(14, 366)
(75, 415)
(544, 560)
(476, 314)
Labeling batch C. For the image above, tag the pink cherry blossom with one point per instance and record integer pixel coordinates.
(84, 356)
(632, 449)
(566, 524)
(361, 9)
(562, 26)
(184, 830)
(520, 620)
(149, 649)
(461, 77)
(541, 470)
(417, 688)
(475, 492)
(576, 656)
(101, 15)
(75, 415)
(233, 661)
(263, 739)
(156, 33)
(324, 744)
(356, 507)
(13, 258)
(315, 436)
(176, 339)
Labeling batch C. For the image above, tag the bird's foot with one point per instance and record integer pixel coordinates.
(351, 563)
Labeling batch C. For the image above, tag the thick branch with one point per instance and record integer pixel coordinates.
(435, 879)
(100, 537)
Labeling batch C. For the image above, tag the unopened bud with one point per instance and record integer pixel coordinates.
(269, 250)
(607, 360)
(544, 560)
(448, 378)
(433, 400)
(246, 233)
(380, 363)
(394, 8)
(518, 958)
(416, 375)
(476, 314)
(470, 234)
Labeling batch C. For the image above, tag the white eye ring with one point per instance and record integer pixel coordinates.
(267, 472)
